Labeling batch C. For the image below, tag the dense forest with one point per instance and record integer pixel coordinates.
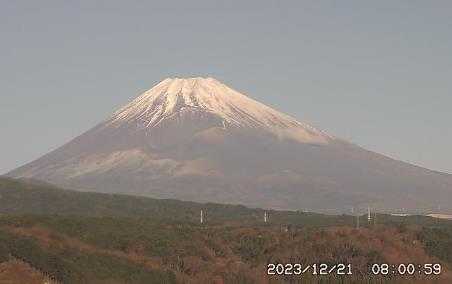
(63, 236)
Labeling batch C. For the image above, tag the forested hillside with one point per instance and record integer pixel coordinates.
(74, 237)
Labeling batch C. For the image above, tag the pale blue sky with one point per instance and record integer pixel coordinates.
(377, 73)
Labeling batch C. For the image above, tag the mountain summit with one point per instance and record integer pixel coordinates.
(200, 98)
(197, 139)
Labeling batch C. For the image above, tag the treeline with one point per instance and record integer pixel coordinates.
(22, 197)
(18, 197)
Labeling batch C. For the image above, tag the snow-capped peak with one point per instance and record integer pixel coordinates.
(174, 95)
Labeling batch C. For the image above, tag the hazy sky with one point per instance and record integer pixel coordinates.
(377, 73)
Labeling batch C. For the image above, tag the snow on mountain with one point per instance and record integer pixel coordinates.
(174, 96)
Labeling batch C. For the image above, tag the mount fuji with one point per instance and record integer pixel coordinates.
(197, 139)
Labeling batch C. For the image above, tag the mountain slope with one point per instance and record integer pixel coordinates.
(180, 98)
(197, 139)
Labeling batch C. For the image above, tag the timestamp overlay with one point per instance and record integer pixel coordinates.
(312, 269)
(380, 270)
(405, 269)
